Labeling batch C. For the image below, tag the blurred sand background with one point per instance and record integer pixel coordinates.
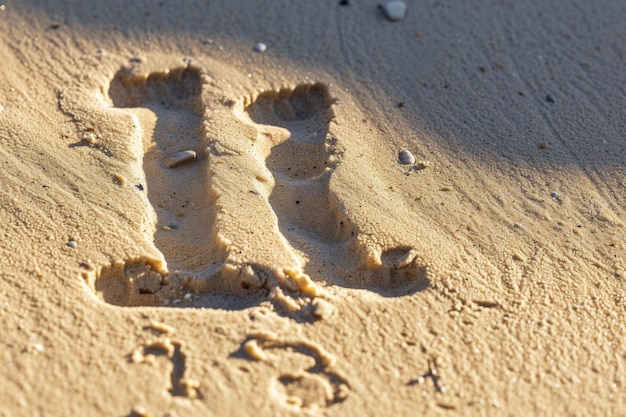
(321, 276)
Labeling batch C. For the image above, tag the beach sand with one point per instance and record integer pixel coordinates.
(195, 225)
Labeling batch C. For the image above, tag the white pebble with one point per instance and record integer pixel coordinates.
(406, 157)
(259, 47)
(38, 347)
(187, 296)
(395, 10)
(179, 157)
(554, 194)
(72, 244)
(1, 108)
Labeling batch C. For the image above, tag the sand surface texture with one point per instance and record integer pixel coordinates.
(193, 225)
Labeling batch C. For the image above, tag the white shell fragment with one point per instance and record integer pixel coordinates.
(394, 10)
(259, 47)
(406, 157)
(72, 244)
(180, 157)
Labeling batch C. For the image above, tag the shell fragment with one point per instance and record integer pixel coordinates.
(178, 158)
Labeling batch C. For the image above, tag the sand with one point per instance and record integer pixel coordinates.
(193, 227)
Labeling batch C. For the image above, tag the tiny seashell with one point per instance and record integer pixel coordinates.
(394, 10)
(406, 157)
(179, 157)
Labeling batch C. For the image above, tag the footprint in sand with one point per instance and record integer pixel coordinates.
(252, 206)
(294, 124)
(170, 111)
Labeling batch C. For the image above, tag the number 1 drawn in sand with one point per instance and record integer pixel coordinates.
(169, 109)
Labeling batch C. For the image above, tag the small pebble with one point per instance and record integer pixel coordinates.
(395, 10)
(38, 347)
(259, 47)
(1, 108)
(406, 157)
(554, 194)
(72, 244)
(180, 157)
(187, 297)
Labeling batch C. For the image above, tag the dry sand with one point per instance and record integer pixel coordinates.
(292, 265)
